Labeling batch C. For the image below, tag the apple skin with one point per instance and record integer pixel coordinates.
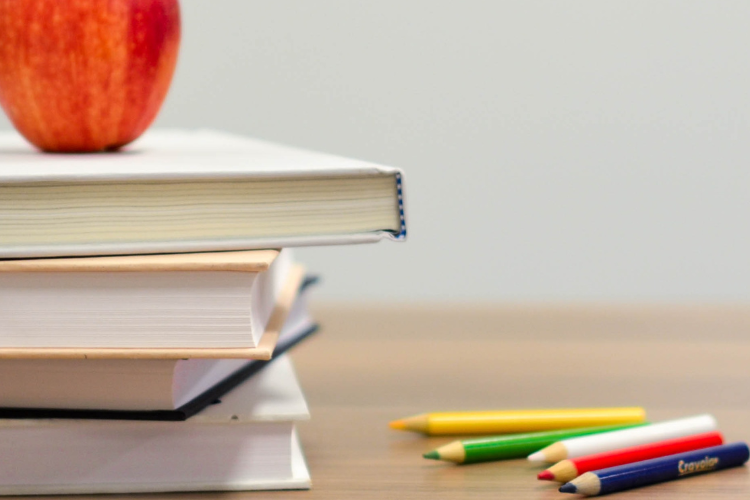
(86, 75)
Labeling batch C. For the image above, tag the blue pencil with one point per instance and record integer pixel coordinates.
(658, 470)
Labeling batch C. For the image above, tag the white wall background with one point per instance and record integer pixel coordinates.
(579, 150)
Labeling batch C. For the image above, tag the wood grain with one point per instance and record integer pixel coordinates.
(674, 360)
(370, 365)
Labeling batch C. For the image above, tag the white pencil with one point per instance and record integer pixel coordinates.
(609, 441)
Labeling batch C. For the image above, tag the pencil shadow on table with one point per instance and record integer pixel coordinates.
(413, 437)
(409, 441)
(480, 476)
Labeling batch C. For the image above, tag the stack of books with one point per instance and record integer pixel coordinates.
(147, 299)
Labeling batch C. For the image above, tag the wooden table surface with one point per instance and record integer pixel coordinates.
(371, 365)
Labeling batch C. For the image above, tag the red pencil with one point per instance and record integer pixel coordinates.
(566, 470)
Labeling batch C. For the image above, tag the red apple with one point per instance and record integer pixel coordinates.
(86, 75)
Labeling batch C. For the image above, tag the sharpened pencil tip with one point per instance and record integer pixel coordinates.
(399, 425)
(536, 457)
(568, 488)
(432, 455)
(546, 475)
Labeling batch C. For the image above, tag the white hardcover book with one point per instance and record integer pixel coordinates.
(187, 191)
(245, 442)
(209, 300)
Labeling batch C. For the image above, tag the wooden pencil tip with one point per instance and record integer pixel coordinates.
(417, 423)
(568, 488)
(399, 425)
(432, 455)
(537, 457)
(546, 475)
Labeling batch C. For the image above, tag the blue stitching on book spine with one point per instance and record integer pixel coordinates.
(400, 193)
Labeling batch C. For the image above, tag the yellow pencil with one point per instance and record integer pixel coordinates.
(513, 421)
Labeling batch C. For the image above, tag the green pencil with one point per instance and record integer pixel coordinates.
(510, 445)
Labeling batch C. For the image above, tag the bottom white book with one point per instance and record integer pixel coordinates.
(247, 441)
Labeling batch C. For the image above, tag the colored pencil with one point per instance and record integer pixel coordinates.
(570, 469)
(658, 470)
(516, 421)
(510, 445)
(609, 441)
